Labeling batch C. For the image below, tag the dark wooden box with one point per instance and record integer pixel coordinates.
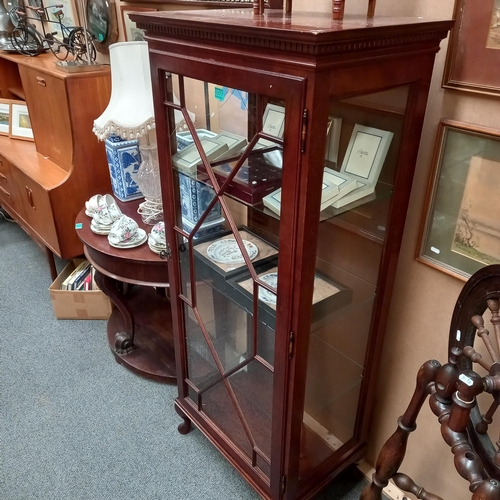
(259, 175)
(329, 295)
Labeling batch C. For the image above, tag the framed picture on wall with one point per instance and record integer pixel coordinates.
(473, 58)
(460, 230)
(4, 116)
(131, 32)
(20, 127)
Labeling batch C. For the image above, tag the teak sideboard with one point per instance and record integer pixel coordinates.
(44, 184)
(280, 374)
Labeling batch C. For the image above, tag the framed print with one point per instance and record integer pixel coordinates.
(20, 121)
(473, 56)
(131, 32)
(460, 230)
(65, 12)
(4, 116)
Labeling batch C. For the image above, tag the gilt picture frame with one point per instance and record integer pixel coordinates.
(460, 229)
(473, 56)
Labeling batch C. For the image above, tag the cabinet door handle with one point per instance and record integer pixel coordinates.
(29, 192)
(41, 81)
(6, 193)
(2, 176)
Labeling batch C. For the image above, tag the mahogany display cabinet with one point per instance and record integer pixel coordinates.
(280, 375)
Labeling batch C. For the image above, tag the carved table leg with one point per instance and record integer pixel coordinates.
(124, 341)
(393, 451)
(185, 426)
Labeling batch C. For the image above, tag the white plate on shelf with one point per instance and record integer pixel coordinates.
(265, 295)
(228, 252)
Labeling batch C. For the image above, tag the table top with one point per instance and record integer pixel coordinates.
(139, 265)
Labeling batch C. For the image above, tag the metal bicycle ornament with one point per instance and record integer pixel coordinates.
(62, 40)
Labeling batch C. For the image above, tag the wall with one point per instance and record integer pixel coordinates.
(423, 298)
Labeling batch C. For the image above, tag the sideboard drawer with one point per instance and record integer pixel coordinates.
(9, 195)
(37, 208)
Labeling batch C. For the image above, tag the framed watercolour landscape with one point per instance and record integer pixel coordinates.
(460, 231)
(473, 55)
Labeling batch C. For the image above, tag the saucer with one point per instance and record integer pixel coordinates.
(99, 229)
(138, 239)
(153, 242)
(157, 250)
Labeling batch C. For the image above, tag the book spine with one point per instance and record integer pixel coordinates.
(79, 275)
(87, 282)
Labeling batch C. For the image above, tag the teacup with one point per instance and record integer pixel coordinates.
(157, 234)
(92, 205)
(107, 211)
(110, 203)
(123, 231)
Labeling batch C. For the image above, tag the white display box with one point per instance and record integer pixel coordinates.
(362, 163)
(329, 189)
(235, 143)
(333, 138)
(273, 124)
(187, 159)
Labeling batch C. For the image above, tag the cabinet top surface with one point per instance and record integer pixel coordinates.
(47, 64)
(309, 25)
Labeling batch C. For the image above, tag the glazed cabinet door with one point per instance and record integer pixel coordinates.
(371, 141)
(221, 156)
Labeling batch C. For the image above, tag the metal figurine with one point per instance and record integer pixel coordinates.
(61, 39)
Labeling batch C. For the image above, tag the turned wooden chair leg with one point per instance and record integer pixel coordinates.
(405, 483)
(489, 489)
(393, 451)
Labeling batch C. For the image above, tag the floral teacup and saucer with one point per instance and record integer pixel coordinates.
(156, 239)
(125, 233)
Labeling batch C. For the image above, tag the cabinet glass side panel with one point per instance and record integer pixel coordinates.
(226, 155)
(364, 134)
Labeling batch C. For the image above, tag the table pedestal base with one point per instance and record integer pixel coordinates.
(152, 354)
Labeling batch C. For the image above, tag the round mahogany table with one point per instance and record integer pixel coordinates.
(136, 280)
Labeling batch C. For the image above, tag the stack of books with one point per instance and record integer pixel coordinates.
(82, 278)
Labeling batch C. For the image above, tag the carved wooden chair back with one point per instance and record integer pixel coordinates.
(453, 391)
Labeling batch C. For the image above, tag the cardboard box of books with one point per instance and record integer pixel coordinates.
(75, 296)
